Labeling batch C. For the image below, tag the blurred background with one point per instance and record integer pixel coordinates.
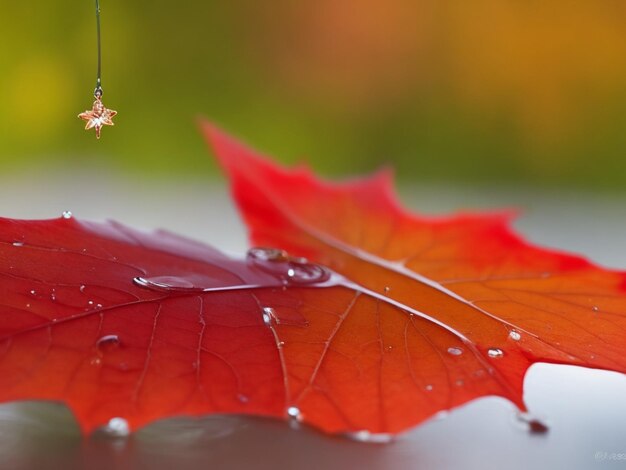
(489, 91)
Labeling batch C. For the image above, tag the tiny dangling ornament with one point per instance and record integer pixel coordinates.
(98, 115)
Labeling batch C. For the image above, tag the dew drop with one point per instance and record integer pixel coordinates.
(82, 288)
(96, 361)
(280, 344)
(267, 254)
(291, 270)
(90, 302)
(455, 351)
(269, 316)
(67, 214)
(33, 292)
(514, 335)
(387, 289)
(428, 388)
(166, 283)
(369, 437)
(243, 398)
(27, 305)
(18, 243)
(107, 341)
(117, 427)
(459, 383)
(294, 413)
(495, 352)
(595, 308)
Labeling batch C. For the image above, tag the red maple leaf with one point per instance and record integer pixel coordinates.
(457, 308)
(427, 315)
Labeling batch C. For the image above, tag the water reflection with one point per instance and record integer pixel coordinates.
(484, 434)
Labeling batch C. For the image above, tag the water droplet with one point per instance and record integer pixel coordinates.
(387, 289)
(269, 316)
(495, 352)
(117, 427)
(389, 348)
(107, 341)
(166, 283)
(96, 361)
(99, 306)
(428, 388)
(27, 305)
(267, 254)
(18, 243)
(280, 344)
(82, 288)
(290, 269)
(33, 292)
(514, 335)
(90, 302)
(366, 436)
(455, 351)
(294, 413)
(67, 214)
(243, 398)
(595, 308)
(459, 383)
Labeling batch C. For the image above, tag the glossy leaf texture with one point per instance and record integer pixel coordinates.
(117, 323)
(460, 306)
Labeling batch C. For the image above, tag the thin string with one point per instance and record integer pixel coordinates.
(98, 91)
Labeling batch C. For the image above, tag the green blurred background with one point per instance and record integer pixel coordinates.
(492, 91)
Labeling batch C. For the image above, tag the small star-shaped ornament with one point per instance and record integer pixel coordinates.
(98, 116)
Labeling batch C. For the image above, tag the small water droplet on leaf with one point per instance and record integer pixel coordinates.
(495, 352)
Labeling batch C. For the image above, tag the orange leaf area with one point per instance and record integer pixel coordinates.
(445, 309)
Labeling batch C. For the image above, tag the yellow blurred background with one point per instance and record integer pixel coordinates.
(492, 91)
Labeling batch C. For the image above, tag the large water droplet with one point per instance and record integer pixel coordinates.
(166, 283)
(67, 214)
(291, 270)
(455, 351)
(514, 335)
(18, 244)
(117, 427)
(595, 308)
(369, 437)
(495, 352)
(267, 254)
